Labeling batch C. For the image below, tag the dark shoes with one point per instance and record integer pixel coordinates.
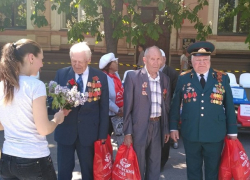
(175, 145)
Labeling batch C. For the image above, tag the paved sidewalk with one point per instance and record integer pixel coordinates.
(175, 169)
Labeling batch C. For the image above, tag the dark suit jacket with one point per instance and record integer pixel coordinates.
(89, 121)
(202, 119)
(173, 76)
(137, 107)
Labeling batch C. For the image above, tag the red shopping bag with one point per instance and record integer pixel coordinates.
(225, 172)
(102, 165)
(126, 165)
(240, 164)
(234, 162)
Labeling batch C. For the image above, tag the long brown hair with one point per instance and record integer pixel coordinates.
(12, 57)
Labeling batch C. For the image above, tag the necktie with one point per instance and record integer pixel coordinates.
(80, 83)
(202, 80)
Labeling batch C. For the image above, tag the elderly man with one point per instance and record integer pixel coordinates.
(173, 76)
(84, 124)
(146, 106)
(207, 114)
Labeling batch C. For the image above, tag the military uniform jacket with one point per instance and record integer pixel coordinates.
(207, 114)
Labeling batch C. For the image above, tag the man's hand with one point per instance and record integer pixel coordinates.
(174, 135)
(120, 112)
(166, 138)
(66, 112)
(232, 137)
(128, 140)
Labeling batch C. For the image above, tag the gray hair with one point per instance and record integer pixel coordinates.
(149, 48)
(81, 47)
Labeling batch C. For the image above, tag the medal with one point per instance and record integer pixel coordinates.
(194, 99)
(89, 99)
(214, 89)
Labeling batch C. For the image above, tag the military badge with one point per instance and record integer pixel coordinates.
(144, 86)
(164, 93)
(218, 91)
(190, 94)
(144, 93)
(94, 89)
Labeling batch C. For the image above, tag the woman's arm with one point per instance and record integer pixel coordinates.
(43, 125)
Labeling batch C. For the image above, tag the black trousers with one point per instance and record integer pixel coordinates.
(14, 168)
(165, 153)
(111, 129)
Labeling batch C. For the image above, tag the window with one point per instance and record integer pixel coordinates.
(14, 15)
(227, 24)
(70, 17)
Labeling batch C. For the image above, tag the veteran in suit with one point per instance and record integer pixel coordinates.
(84, 124)
(208, 114)
(146, 107)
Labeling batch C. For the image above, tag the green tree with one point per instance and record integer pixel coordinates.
(13, 13)
(116, 24)
(243, 12)
(131, 26)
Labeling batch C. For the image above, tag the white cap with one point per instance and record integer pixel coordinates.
(105, 59)
(162, 52)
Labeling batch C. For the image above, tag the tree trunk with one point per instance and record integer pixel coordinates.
(109, 27)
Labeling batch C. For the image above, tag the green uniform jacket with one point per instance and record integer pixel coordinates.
(207, 114)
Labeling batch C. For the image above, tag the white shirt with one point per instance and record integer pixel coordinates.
(21, 136)
(205, 76)
(156, 95)
(85, 76)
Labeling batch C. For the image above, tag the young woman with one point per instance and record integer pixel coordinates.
(23, 114)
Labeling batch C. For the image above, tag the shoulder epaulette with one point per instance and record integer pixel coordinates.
(216, 70)
(185, 72)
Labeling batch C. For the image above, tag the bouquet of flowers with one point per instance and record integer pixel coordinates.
(63, 97)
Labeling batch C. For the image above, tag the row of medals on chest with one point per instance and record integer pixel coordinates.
(94, 91)
(216, 96)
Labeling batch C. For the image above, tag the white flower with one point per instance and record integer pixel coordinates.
(210, 23)
(76, 103)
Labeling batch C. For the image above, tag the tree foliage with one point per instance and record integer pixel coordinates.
(12, 13)
(243, 11)
(130, 25)
(118, 25)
